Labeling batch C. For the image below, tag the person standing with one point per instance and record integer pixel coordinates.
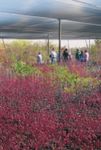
(77, 55)
(82, 56)
(86, 55)
(65, 55)
(39, 58)
(53, 56)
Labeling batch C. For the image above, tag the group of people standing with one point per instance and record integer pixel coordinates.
(66, 55)
(53, 57)
(82, 56)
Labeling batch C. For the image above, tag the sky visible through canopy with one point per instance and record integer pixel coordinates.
(74, 43)
(64, 43)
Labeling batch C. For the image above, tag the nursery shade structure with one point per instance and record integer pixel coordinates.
(38, 19)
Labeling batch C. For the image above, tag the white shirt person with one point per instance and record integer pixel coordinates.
(39, 58)
(86, 56)
(53, 56)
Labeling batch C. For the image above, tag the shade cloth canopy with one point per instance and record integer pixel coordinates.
(39, 19)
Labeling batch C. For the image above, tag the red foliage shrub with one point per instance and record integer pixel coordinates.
(35, 115)
(79, 69)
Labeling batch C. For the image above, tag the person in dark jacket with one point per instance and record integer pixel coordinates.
(77, 54)
(65, 54)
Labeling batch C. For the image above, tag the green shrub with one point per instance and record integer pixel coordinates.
(22, 68)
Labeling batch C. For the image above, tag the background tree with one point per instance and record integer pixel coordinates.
(95, 52)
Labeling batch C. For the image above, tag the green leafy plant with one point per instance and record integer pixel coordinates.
(22, 68)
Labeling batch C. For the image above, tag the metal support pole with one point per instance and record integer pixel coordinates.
(89, 44)
(86, 44)
(59, 39)
(3, 43)
(48, 45)
(68, 44)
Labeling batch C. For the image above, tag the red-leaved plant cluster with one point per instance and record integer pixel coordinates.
(36, 114)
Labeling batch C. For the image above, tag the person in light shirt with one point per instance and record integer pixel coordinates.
(53, 56)
(39, 58)
(86, 56)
